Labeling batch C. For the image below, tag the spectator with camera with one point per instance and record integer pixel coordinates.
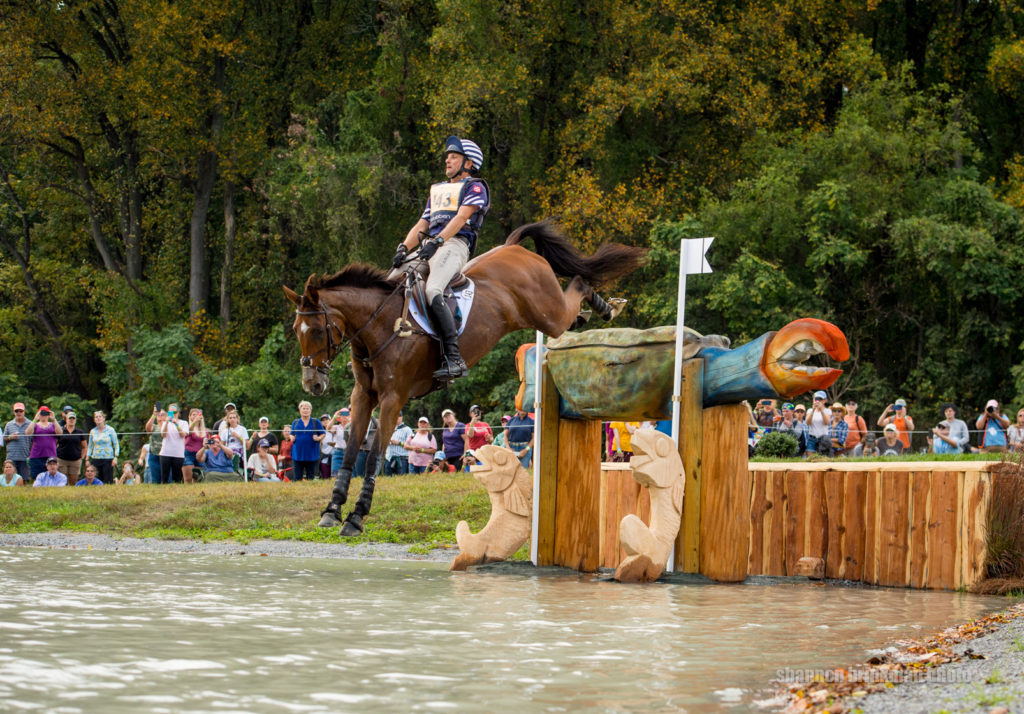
(766, 415)
(791, 423)
(154, 427)
(478, 432)
(217, 460)
(992, 425)
(342, 417)
(197, 434)
(18, 443)
(900, 419)
(172, 450)
(941, 441)
(817, 420)
(44, 431)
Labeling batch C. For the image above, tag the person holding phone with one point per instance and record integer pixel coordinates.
(900, 419)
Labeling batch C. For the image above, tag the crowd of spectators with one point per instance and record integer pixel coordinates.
(50, 451)
(838, 430)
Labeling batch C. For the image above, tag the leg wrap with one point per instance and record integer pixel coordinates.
(362, 506)
(600, 306)
(340, 493)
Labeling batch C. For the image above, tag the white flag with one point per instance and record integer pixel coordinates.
(694, 250)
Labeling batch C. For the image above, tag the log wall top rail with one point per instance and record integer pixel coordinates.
(965, 466)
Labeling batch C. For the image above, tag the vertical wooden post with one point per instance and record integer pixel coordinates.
(578, 499)
(546, 469)
(725, 495)
(691, 442)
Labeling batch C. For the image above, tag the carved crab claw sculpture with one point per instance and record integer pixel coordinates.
(657, 466)
(510, 489)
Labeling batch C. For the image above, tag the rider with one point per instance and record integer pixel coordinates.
(453, 216)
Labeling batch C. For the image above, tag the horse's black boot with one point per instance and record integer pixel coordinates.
(352, 526)
(331, 516)
(452, 364)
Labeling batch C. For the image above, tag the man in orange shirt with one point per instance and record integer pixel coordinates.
(858, 429)
(900, 419)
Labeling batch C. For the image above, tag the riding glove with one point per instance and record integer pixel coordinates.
(429, 247)
(400, 253)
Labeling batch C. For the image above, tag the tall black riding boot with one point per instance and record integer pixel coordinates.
(331, 516)
(452, 364)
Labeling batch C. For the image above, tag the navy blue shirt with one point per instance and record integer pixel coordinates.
(452, 441)
(520, 431)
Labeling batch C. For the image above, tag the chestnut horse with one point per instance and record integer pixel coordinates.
(515, 289)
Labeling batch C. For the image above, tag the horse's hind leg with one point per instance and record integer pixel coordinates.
(608, 310)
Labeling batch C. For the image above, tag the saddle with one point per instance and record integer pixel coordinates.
(415, 274)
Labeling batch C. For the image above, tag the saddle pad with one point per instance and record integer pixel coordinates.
(463, 303)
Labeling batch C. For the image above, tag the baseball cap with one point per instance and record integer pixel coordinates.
(52, 460)
(71, 415)
(263, 443)
(230, 405)
(422, 420)
(787, 405)
(851, 401)
(900, 402)
(264, 419)
(799, 407)
(439, 455)
(505, 418)
(944, 424)
(324, 416)
(991, 403)
(890, 427)
(18, 405)
(447, 411)
(820, 395)
(344, 411)
(67, 408)
(475, 408)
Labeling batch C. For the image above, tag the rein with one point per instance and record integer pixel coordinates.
(331, 348)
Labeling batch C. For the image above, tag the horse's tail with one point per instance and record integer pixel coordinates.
(612, 260)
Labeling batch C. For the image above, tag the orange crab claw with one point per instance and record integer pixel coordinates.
(782, 363)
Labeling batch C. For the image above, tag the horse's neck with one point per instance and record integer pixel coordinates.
(357, 306)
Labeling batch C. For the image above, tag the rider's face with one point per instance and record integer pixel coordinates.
(453, 163)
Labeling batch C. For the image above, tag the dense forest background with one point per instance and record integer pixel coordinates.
(166, 166)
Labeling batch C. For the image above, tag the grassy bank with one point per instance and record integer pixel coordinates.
(419, 510)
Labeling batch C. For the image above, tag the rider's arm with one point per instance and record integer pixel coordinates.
(455, 225)
(412, 240)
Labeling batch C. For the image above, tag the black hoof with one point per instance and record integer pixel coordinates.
(329, 519)
(352, 527)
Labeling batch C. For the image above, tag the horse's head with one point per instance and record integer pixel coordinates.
(319, 337)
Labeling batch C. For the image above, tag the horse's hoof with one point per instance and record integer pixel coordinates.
(329, 519)
(616, 305)
(352, 527)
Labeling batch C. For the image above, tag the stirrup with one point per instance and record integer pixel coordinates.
(451, 369)
(353, 525)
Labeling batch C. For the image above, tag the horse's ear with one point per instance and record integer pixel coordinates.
(292, 295)
(311, 292)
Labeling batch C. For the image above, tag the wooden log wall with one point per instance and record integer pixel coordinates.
(913, 524)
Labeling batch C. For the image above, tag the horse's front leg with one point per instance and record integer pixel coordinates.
(362, 403)
(390, 406)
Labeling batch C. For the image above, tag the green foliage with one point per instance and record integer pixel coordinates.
(777, 444)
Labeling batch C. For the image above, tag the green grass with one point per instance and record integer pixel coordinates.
(420, 510)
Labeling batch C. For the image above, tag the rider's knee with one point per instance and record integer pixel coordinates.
(432, 292)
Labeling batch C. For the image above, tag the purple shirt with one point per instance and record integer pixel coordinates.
(44, 442)
(452, 441)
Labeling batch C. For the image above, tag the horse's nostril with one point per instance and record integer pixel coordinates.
(318, 389)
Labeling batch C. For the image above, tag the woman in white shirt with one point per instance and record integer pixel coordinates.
(172, 451)
(262, 465)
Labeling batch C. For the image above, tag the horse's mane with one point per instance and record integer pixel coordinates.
(357, 275)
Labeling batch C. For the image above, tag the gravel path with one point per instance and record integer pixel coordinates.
(992, 684)
(288, 548)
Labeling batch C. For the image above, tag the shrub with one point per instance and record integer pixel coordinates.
(777, 444)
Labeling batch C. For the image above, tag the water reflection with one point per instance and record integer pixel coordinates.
(124, 632)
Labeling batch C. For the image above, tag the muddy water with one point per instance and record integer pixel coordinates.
(129, 632)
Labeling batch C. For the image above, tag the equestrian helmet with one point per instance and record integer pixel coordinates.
(467, 148)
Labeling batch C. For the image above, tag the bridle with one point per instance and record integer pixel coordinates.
(331, 348)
